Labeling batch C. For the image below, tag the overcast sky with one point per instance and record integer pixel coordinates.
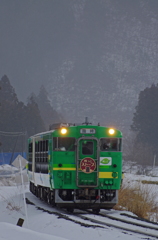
(36, 35)
(30, 33)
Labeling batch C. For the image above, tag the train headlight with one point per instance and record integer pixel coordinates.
(63, 131)
(111, 131)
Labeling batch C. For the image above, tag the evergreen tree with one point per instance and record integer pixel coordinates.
(8, 101)
(16, 117)
(35, 123)
(49, 115)
(8, 92)
(145, 120)
(12, 111)
(8, 113)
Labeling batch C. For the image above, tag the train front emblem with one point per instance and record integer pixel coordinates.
(87, 165)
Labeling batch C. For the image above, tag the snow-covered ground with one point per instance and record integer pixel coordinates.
(39, 225)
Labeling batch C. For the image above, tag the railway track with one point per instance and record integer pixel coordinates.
(139, 228)
(61, 214)
(101, 220)
(138, 223)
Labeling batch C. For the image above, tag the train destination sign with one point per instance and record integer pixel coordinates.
(87, 130)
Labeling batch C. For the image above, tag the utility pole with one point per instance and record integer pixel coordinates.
(0, 89)
(0, 106)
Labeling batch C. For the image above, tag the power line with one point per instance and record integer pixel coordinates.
(13, 134)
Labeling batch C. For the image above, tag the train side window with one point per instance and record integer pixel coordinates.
(30, 147)
(45, 151)
(41, 146)
(46, 145)
(36, 146)
(39, 151)
(30, 157)
(55, 143)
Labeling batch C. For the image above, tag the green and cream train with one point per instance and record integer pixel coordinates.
(76, 166)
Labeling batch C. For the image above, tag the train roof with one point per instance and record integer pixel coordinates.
(56, 126)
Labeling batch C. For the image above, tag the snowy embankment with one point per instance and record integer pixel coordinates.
(9, 231)
(41, 225)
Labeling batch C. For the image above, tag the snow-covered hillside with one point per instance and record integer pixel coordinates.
(93, 57)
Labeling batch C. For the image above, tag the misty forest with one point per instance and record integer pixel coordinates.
(62, 61)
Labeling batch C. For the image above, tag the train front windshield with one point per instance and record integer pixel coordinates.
(110, 144)
(87, 148)
(64, 144)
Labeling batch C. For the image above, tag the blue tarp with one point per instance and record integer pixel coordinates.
(5, 158)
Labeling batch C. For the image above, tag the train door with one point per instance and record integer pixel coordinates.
(87, 162)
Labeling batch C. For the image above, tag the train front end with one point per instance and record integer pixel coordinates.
(86, 167)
